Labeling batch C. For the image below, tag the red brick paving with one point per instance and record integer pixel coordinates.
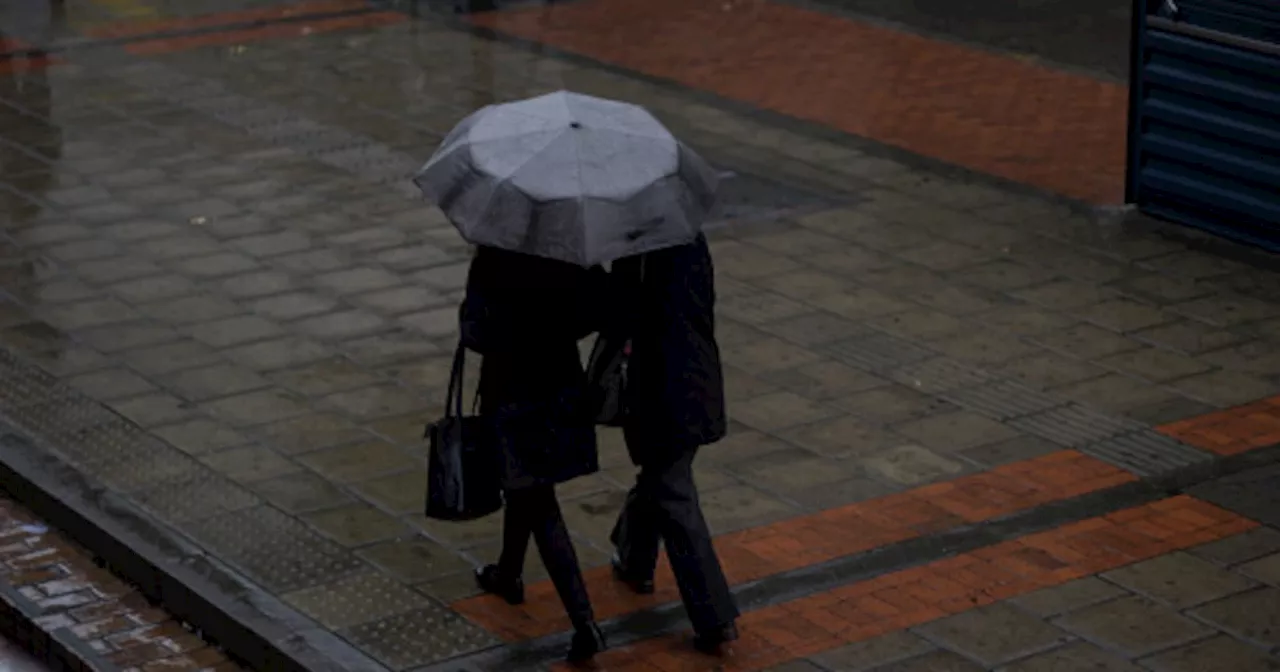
(107, 614)
(1232, 431)
(991, 113)
(912, 597)
(753, 554)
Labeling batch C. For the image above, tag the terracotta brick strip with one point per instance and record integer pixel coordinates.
(991, 113)
(127, 29)
(861, 611)
(112, 618)
(792, 544)
(268, 32)
(1233, 431)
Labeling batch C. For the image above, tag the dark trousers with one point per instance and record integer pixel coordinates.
(535, 512)
(663, 506)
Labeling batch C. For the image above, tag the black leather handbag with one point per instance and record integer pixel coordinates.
(464, 469)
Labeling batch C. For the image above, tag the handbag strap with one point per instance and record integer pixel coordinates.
(453, 400)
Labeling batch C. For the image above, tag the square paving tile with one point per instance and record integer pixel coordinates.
(1265, 569)
(1068, 597)
(955, 431)
(359, 462)
(779, 410)
(355, 599)
(911, 465)
(1219, 653)
(1179, 580)
(1075, 657)
(356, 524)
(873, 653)
(416, 560)
(1133, 626)
(1252, 616)
(843, 437)
(250, 463)
(937, 661)
(1251, 545)
(994, 634)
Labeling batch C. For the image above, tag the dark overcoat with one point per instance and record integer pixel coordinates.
(675, 385)
(525, 316)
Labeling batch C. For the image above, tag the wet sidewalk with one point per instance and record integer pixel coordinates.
(226, 318)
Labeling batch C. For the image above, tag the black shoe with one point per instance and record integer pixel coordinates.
(711, 642)
(587, 642)
(493, 582)
(638, 585)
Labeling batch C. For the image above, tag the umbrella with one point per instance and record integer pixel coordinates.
(569, 177)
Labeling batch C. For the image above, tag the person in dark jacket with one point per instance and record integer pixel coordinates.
(525, 315)
(675, 404)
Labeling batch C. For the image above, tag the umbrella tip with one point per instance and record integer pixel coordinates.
(574, 124)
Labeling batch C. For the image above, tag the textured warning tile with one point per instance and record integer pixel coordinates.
(954, 585)
(1232, 431)
(799, 542)
(991, 113)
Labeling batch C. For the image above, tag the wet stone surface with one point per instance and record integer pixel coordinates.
(215, 279)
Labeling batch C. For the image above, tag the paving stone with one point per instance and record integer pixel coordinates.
(256, 408)
(279, 354)
(1114, 393)
(1252, 616)
(115, 338)
(804, 284)
(790, 471)
(1009, 451)
(153, 288)
(416, 560)
(843, 437)
(1225, 388)
(740, 443)
(1155, 364)
(434, 323)
(111, 384)
(153, 409)
(200, 436)
(1219, 653)
(1179, 580)
(301, 492)
(1045, 370)
(1003, 275)
(912, 465)
(1067, 597)
(761, 307)
(256, 284)
(890, 404)
(375, 401)
(1086, 342)
(954, 431)
(165, 358)
(871, 654)
(1132, 626)
(938, 661)
(312, 432)
(993, 635)
(1227, 310)
(1023, 320)
(1124, 315)
(405, 492)
(207, 383)
(418, 637)
(357, 280)
(92, 313)
(731, 508)
(401, 300)
(1159, 288)
(292, 305)
(1257, 357)
(854, 303)
(341, 325)
(779, 410)
(250, 463)
(820, 380)
(214, 265)
(356, 525)
(182, 246)
(271, 244)
(769, 355)
(235, 331)
(359, 462)
(1188, 336)
(1076, 657)
(1266, 569)
(1240, 548)
(921, 324)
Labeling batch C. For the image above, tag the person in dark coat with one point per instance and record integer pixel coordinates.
(525, 315)
(675, 404)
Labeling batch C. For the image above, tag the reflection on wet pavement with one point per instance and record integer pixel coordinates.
(221, 299)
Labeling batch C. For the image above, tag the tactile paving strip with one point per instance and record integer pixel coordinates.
(356, 599)
(1001, 400)
(419, 637)
(877, 352)
(1146, 453)
(277, 551)
(1073, 426)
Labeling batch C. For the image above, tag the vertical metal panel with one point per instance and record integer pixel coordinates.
(1204, 145)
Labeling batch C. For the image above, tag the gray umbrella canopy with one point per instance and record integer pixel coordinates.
(569, 177)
